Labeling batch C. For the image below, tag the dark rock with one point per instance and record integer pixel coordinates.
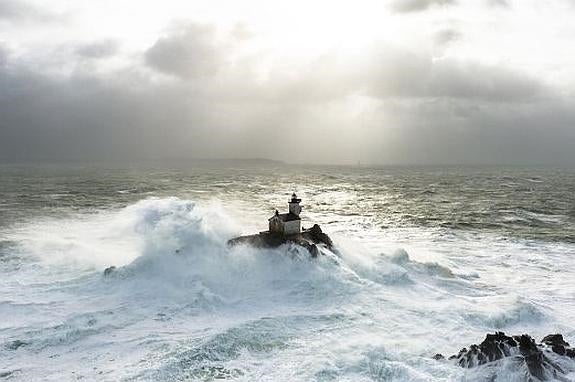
(438, 357)
(558, 345)
(540, 359)
(6, 374)
(554, 339)
(108, 271)
(494, 347)
(536, 361)
(558, 349)
(15, 345)
(309, 239)
(317, 236)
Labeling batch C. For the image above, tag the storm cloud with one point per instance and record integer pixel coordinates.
(3, 56)
(413, 75)
(198, 89)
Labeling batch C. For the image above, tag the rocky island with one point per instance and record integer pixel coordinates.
(285, 229)
(551, 359)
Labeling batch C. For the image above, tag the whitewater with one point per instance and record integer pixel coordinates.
(414, 275)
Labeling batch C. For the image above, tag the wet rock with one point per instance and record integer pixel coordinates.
(108, 271)
(6, 374)
(310, 239)
(558, 345)
(317, 236)
(536, 361)
(544, 361)
(15, 345)
(554, 340)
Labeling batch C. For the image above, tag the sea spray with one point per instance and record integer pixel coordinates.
(181, 304)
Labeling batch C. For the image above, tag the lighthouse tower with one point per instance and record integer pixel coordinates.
(294, 207)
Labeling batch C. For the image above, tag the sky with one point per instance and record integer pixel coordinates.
(341, 82)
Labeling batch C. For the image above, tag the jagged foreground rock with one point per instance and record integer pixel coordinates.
(552, 359)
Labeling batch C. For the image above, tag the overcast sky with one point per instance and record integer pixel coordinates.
(382, 82)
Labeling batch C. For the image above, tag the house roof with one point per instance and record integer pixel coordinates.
(286, 217)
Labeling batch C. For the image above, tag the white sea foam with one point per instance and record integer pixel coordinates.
(181, 304)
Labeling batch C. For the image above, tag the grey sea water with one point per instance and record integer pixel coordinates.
(431, 259)
(535, 203)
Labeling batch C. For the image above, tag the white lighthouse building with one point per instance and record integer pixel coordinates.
(290, 223)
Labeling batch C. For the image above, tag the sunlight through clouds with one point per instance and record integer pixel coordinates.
(254, 68)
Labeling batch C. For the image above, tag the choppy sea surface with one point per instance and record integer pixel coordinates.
(431, 259)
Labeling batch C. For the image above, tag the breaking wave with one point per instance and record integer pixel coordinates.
(181, 304)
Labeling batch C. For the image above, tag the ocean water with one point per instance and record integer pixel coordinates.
(430, 260)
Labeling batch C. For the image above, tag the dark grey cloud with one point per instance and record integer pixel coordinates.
(414, 75)
(188, 51)
(97, 49)
(81, 117)
(3, 55)
(407, 6)
(464, 132)
(422, 110)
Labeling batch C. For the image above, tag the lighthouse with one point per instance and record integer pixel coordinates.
(294, 207)
(290, 223)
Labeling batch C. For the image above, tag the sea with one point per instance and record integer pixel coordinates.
(429, 260)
